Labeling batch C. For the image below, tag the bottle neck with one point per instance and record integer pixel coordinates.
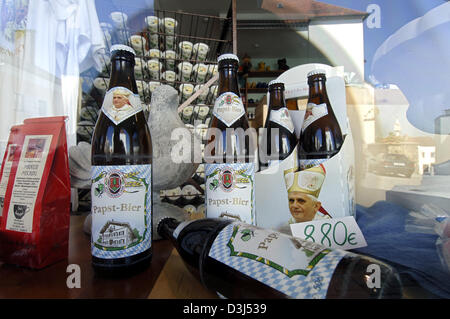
(228, 81)
(122, 73)
(317, 91)
(276, 99)
(166, 228)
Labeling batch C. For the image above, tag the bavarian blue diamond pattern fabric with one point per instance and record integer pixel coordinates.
(312, 286)
(144, 174)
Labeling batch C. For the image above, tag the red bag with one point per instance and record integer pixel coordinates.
(6, 166)
(34, 230)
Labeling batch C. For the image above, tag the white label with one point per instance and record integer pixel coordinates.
(230, 191)
(5, 174)
(121, 210)
(341, 233)
(313, 113)
(228, 108)
(308, 163)
(180, 227)
(27, 182)
(282, 117)
(120, 103)
(297, 268)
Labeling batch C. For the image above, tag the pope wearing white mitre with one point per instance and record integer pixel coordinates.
(303, 189)
(121, 104)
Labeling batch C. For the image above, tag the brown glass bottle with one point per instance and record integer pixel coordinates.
(122, 175)
(278, 139)
(235, 276)
(321, 136)
(230, 150)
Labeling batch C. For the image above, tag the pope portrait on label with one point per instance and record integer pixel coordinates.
(120, 103)
(303, 188)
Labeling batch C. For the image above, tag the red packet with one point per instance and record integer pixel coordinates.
(5, 170)
(34, 230)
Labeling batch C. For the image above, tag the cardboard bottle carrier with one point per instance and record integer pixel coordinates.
(332, 182)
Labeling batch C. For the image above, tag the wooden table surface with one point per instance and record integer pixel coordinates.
(50, 282)
(166, 278)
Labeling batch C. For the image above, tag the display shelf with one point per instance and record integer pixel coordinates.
(163, 32)
(262, 74)
(246, 90)
(160, 37)
(253, 90)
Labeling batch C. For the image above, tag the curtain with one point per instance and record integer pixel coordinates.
(54, 41)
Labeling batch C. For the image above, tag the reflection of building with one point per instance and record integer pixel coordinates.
(420, 150)
(397, 128)
(115, 234)
(427, 157)
(442, 123)
(442, 130)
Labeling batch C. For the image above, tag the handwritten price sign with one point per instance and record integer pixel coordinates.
(341, 233)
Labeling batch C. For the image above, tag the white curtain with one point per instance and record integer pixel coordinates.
(40, 71)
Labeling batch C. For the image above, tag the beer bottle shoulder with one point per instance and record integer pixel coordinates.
(126, 143)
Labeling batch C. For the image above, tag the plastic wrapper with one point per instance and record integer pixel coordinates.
(432, 219)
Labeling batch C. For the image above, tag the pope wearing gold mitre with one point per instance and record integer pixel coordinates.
(303, 189)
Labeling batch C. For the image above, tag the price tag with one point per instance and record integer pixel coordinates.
(339, 233)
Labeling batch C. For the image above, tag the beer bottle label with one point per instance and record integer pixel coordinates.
(230, 191)
(228, 108)
(282, 117)
(308, 163)
(120, 103)
(298, 268)
(313, 113)
(121, 210)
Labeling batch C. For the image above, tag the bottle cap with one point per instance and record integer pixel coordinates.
(227, 56)
(122, 47)
(317, 71)
(275, 82)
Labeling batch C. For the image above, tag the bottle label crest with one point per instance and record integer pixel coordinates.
(313, 113)
(298, 268)
(121, 210)
(282, 117)
(228, 108)
(120, 103)
(230, 191)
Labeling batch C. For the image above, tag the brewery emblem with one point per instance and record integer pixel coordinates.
(114, 184)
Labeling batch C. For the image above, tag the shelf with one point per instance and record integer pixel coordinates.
(254, 90)
(263, 74)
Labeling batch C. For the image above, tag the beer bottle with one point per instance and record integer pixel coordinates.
(239, 260)
(278, 139)
(321, 137)
(230, 150)
(121, 242)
